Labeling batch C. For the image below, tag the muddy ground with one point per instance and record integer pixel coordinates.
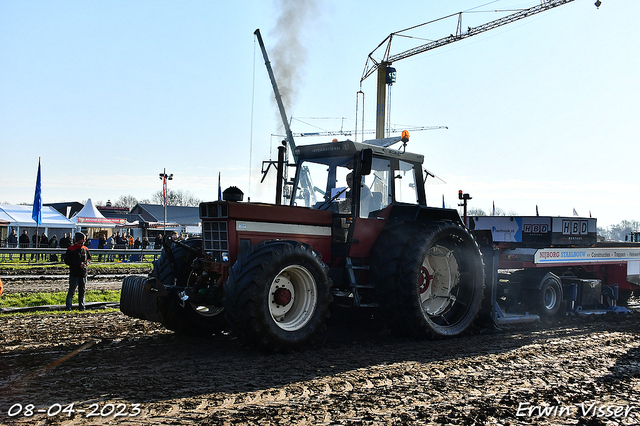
(106, 368)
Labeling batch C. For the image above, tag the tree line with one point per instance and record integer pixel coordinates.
(175, 197)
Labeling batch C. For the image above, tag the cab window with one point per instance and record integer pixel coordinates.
(375, 194)
(405, 183)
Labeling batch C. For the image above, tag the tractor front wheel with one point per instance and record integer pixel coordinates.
(277, 296)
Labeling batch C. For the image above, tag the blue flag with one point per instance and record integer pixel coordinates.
(36, 214)
(219, 188)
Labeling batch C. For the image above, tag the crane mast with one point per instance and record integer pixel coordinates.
(383, 66)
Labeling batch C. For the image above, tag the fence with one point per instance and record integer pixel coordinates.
(48, 255)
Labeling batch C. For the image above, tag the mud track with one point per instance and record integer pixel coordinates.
(110, 366)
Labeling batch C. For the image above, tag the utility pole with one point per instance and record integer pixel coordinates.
(164, 177)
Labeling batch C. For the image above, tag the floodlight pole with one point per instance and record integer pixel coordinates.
(164, 177)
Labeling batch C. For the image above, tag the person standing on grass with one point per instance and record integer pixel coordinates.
(77, 257)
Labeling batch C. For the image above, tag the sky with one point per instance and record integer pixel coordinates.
(541, 112)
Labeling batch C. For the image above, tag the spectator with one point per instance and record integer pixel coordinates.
(53, 243)
(121, 243)
(35, 243)
(24, 243)
(101, 243)
(77, 257)
(44, 241)
(111, 242)
(157, 243)
(65, 242)
(130, 240)
(12, 241)
(137, 244)
(145, 243)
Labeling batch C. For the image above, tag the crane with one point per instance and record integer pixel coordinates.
(386, 74)
(350, 133)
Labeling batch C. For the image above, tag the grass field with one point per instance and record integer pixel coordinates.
(94, 267)
(20, 300)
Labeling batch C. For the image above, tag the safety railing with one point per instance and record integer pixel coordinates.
(54, 255)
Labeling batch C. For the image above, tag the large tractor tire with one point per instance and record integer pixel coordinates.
(277, 295)
(439, 283)
(386, 258)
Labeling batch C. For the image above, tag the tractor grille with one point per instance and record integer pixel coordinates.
(216, 240)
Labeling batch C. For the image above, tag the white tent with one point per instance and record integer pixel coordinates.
(90, 217)
(20, 216)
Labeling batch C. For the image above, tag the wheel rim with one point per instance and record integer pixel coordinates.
(204, 310)
(207, 310)
(550, 297)
(292, 298)
(439, 276)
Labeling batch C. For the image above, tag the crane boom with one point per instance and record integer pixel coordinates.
(372, 65)
(460, 35)
(349, 132)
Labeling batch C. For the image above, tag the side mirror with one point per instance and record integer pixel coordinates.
(366, 158)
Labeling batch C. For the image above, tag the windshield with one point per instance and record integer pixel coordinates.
(322, 181)
(327, 183)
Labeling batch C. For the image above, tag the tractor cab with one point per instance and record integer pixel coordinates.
(359, 183)
(356, 179)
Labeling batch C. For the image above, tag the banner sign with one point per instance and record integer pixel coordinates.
(100, 220)
(582, 255)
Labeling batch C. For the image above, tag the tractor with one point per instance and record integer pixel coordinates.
(351, 228)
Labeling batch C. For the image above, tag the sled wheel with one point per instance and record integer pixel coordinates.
(277, 296)
(549, 297)
(441, 281)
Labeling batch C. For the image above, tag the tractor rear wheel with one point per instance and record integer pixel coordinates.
(277, 296)
(440, 281)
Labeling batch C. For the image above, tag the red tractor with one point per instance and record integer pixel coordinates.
(355, 230)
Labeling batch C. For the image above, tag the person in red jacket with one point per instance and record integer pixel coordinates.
(77, 257)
